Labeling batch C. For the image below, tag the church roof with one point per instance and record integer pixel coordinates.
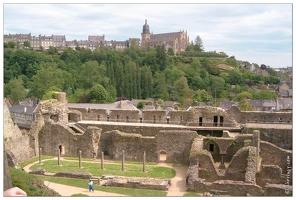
(165, 35)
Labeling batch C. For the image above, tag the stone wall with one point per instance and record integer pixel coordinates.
(113, 142)
(259, 116)
(238, 165)
(176, 144)
(270, 174)
(17, 145)
(282, 138)
(272, 155)
(55, 136)
(179, 117)
(124, 116)
(154, 116)
(133, 128)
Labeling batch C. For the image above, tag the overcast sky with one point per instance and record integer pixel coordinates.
(258, 33)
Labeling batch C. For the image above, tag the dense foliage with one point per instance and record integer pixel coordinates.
(104, 74)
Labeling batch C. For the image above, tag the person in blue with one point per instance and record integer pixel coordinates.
(90, 184)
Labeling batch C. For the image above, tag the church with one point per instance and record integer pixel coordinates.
(178, 41)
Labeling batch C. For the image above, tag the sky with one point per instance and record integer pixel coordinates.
(258, 32)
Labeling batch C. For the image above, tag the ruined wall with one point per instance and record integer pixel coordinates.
(202, 161)
(92, 114)
(17, 145)
(124, 116)
(74, 116)
(133, 128)
(270, 174)
(176, 144)
(207, 117)
(238, 165)
(272, 155)
(179, 117)
(113, 142)
(282, 138)
(154, 116)
(55, 135)
(259, 116)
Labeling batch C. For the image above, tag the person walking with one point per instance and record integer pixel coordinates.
(90, 186)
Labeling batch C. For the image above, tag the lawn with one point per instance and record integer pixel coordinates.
(117, 190)
(130, 170)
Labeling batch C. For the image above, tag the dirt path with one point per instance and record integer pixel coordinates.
(177, 188)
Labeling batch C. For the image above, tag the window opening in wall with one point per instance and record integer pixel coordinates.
(181, 119)
(99, 118)
(117, 118)
(126, 118)
(159, 118)
(154, 119)
(280, 119)
(88, 110)
(221, 120)
(168, 121)
(215, 120)
(141, 120)
(211, 148)
(106, 153)
(108, 118)
(162, 156)
(62, 149)
(200, 121)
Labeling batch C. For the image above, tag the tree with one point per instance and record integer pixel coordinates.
(11, 44)
(98, 94)
(265, 94)
(246, 106)
(235, 78)
(15, 90)
(26, 44)
(243, 95)
(198, 46)
(51, 93)
(171, 52)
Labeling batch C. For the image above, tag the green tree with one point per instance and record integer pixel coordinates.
(51, 93)
(243, 95)
(26, 44)
(235, 78)
(98, 94)
(92, 73)
(198, 45)
(15, 90)
(246, 106)
(202, 96)
(47, 76)
(11, 44)
(265, 95)
(171, 51)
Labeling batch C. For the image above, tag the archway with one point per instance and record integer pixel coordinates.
(62, 149)
(162, 156)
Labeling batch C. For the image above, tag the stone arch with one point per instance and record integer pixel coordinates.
(162, 156)
(213, 148)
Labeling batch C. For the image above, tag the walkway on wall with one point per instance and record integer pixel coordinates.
(194, 128)
(177, 188)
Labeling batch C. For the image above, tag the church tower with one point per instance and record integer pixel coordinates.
(145, 34)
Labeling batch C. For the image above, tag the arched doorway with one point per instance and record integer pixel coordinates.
(62, 149)
(162, 156)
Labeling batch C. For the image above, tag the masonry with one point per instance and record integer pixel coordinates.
(225, 161)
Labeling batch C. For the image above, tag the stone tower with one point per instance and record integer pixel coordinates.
(145, 34)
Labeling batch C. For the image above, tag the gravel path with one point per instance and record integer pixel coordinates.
(177, 188)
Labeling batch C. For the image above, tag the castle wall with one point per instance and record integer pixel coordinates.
(113, 142)
(272, 154)
(124, 116)
(176, 144)
(259, 116)
(154, 116)
(17, 145)
(55, 135)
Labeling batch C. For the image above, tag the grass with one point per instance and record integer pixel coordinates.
(29, 183)
(117, 190)
(79, 195)
(34, 159)
(130, 170)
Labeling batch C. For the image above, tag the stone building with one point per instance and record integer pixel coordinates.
(178, 41)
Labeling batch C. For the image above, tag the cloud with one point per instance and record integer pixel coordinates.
(239, 29)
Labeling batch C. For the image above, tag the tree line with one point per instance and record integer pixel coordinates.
(102, 75)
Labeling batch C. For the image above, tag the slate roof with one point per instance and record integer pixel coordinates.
(165, 35)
